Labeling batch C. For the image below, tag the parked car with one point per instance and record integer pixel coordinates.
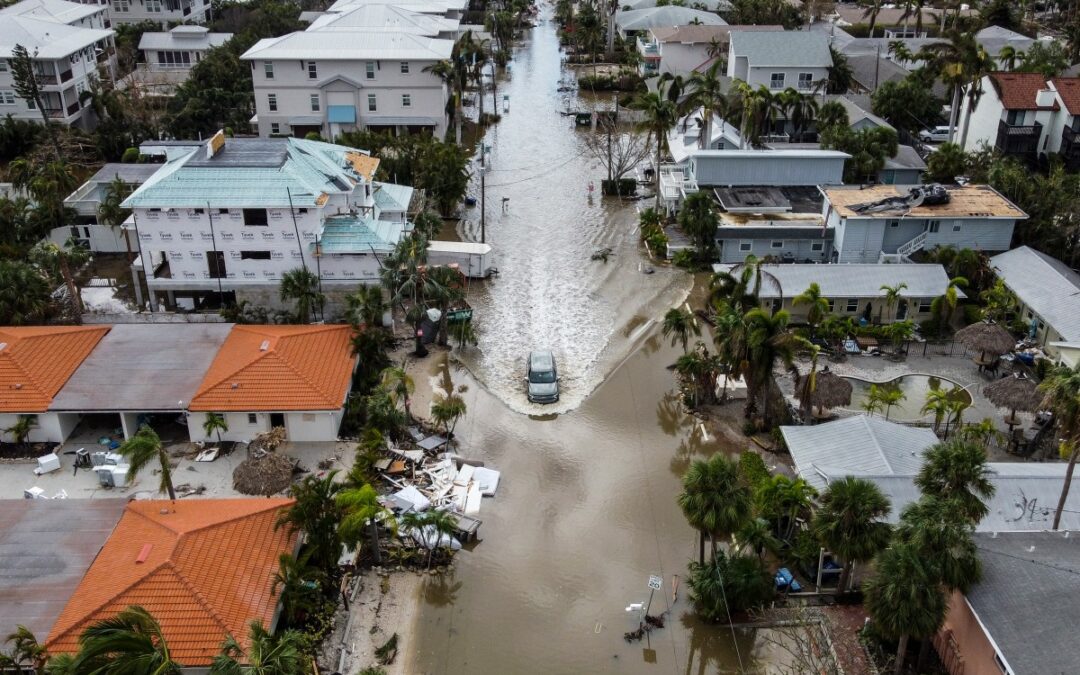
(542, 377)
(938, 134)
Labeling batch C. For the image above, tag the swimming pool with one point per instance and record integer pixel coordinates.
(914, 387)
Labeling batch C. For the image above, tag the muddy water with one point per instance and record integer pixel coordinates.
(586, 510)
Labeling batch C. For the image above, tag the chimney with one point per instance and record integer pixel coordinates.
(1044, 98)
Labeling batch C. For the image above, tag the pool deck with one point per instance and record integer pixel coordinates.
(956, 368)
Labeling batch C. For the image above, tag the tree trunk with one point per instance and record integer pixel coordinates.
(701, 547)
(375, 541)
(712, 542)
(73, 290)
(967, 120)
(924, 652)
(127, 243)
(1066, 486)
(845, 573)
(901, 650)
(954, 114)
(659, 143)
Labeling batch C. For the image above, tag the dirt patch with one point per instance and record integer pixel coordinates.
(26, 450)
(385, 604)
(845, 622)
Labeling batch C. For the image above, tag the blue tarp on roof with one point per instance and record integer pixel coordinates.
(341, 114)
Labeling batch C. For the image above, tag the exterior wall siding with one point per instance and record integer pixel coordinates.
(863, 239)
(801, 249)
(51, 427)
(719, 167)
(879, 310)
(311, 426)
(972, 643)
(136, 11)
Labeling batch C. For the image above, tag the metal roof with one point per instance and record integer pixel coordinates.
(129, 173)
(143, 367)
(385, 18)
(1044, 284)
(358, 235)
(391, 197)
(251, 172)
(426, 6)
(710, 5)
(906, 157)
(46, 546)
(856, 446)
(850, 280)
(58, 11)
(184, 39)
(782, 48)
(351, 45)
(1025, 496)
(46, 39)
(1028, 601)
(669, 15)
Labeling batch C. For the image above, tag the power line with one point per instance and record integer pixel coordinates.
(541, 174)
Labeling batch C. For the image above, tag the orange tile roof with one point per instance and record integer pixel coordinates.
(36, 361)
(301, 368)
(1068, 89)
(1018, 91)
(207, 574)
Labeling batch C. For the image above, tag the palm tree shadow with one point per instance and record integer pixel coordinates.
(712, 646)
(441, 590)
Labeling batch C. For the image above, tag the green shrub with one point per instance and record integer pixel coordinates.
(130, 156)
(972, 314)
(752, 468)
(622, 186)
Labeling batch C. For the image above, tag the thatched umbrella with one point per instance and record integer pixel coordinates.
(829, 390)
(266, 475)
(1017, 392)
(988, 338)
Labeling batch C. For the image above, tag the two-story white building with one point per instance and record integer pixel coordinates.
(164, 12)
(231, 216)
(71, 48)
(778, 60)
(887, 223)
(681, 50)
(389, 18)
(329, 80)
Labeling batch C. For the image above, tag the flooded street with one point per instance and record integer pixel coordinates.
(586, 509)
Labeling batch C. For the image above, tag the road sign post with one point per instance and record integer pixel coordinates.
(655, 583)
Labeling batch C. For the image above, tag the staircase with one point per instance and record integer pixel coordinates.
(904, 250)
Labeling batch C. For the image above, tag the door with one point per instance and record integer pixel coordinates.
(277, 420)
(901, 310)
(215, 264)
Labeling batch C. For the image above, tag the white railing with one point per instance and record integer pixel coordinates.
(916, 244)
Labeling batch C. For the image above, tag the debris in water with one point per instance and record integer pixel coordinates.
(602, 254)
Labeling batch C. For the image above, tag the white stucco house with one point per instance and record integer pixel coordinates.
(778, 60)
(681, 50)
(165, 12)
(169, 56)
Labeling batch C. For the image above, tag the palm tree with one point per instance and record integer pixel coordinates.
(889, 397)
(939, 402)
(27, 654)
(365, 306)
(404, 275)
(945, 304)
(730, 340)
(851, 523)
(871, 9)
(962, 63)
(303, 286)
(706, 91)
(111, 214)
(785, 500)
(757, 536)
(215, 422)
(758, 110)
(141, 450)
(445, 71)
(1062, 390)
(316, 513)
(447, 288)
(130, 642)
(701, 369)
(267, 654)
(399, 383)
(431, 527)
(22, 428)
(939, 529)
(299, 585)
(679, 324)
(447, 411)
(873, 402)
(983, 432)
(24, 294)
(63, 260)
(817, 305)
(893, 294)
(361, 509)
(738, 288)
(660, 116)
(715, 500)
(767, 339)
(956, 470)
(904, 598)
(1008, 57)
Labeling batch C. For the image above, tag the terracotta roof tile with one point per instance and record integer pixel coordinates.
(1018, 91)
(36, 361)
(1069, 90)
(301, 368)
(208, 572)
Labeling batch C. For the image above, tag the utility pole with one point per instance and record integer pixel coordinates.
(483, 200)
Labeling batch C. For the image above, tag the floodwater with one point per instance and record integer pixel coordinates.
(914, 388)
(586, 509)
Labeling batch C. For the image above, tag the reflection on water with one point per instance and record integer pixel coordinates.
(914, 389)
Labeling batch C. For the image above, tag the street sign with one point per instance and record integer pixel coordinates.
(655, 582)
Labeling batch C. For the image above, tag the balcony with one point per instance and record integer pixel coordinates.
(1019, 140)
(1070, 148)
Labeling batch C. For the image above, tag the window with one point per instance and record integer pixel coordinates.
(1014, 117)
(372, 105)
(956, 227)
(817, 246)
(892, 222)
(315, 103)
(933, 225)
(832, 304)
(312, 70)
(852, 305)
(255, 217)
(369, 70)
(406, 100)
(3, 66)
(152, 5)
(268, 70)
(806, 81)
(254, 255)
(173, 58)
(924, 306)
(776, 81)
(253, 418)
(271, 101)
(746, 246)
(121, 5)
(275, 128)
(1001, 664)
(308, 417)
(776, 244)
(404, 67)
(7, 98)
(215, 264)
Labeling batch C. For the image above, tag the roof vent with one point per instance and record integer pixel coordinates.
(17, 385)
(3, 346)
(144, 553)
(264, 346)
(235, 385)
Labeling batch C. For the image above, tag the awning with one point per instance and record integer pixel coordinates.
(401, 121)
(306, 121)
(341, 114)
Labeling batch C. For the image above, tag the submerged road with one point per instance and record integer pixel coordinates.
(586, 510)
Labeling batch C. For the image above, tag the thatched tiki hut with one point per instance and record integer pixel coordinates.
(987, 338)
(1015, 393)
(824, 390)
